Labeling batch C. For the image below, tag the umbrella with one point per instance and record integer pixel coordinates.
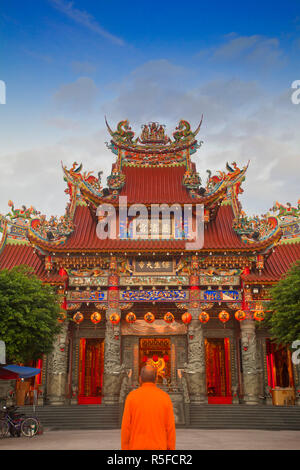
(7, 375)
(10, 372)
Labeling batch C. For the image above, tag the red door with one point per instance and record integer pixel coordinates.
(218, 377)
(91, 361)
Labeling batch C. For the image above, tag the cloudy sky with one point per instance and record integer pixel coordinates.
(67, 64)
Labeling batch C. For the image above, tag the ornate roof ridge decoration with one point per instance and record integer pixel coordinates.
(216, 186)
(4, 234)
(15, 223)
(90, 186)
(288, 217)
(55, 231)
(153, 138)
(255, 230)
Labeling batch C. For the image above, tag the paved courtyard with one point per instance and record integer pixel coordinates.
(187, 439)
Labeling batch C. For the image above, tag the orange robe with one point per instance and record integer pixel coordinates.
(148, 420)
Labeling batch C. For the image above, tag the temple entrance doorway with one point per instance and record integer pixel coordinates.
(218, 376)
(156, 352)
(279, 365)
(91, 364)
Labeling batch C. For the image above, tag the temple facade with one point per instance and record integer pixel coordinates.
(160, 266)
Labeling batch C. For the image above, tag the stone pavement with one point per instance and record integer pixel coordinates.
(187, 439)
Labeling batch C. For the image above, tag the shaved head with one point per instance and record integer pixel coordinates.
(148, 374)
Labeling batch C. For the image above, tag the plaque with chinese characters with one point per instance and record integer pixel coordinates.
(154, 267)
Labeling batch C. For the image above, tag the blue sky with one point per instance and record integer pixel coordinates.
(67, 64)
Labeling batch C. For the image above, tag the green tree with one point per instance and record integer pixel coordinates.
(283, 319)
(29, 311)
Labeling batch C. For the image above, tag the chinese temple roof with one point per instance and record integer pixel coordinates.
(24, 254)
(219, 235)
(149, 169)
(282, 257)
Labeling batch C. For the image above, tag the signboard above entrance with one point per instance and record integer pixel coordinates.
(153, 267)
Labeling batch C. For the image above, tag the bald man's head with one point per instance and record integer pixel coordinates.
(148, 374)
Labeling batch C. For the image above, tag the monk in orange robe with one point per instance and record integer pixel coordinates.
(148, 419)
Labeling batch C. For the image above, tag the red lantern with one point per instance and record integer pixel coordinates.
(62, 272)
(224, 316)
(62, 317)
(259, 315)
(114, 318)
(166, 358)
(149, 317)
(95, 317)
(186, 318)
(145, 359)
(240, 315)
(204, 317)
(130, 317)
(155, 358)
(169, 317)
(78, 317)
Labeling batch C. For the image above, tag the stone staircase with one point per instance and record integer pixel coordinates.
(199, 417)
(244, 417)
(75, 416)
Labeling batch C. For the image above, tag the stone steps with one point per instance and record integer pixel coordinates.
(244, 417)
(201, 417)
(76, 416)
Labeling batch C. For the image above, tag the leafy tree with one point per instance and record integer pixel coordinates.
(283, 320)
(29, 311)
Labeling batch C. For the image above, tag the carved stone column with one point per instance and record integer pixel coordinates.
(195, 367)
(249, 361)
(57, 369)
(114, 372)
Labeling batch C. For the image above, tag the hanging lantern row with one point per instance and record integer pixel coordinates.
(186, 318)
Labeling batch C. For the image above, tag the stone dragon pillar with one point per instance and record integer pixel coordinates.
(57, 369)
(194, 371)
(113, 369)
(249, 361)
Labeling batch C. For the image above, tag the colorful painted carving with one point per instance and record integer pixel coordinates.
(86, 296)
(154, 280)
(286, 212)
(221, 295)
(170, 295)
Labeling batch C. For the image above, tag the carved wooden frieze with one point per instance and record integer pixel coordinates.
(154, 280)
(170, 295)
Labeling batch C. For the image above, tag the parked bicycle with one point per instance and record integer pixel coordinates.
(15, 424)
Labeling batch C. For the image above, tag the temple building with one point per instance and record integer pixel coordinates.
(156, 290)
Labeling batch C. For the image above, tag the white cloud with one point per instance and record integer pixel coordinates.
(85, 19)
(242, 121)
(78, 96)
